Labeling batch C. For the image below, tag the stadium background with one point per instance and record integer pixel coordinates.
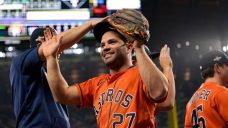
(189, 27)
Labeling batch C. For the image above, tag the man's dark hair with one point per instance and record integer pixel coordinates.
(102, 28)
(38, 32)
(209, 72)
(120, 36)
(206, 73)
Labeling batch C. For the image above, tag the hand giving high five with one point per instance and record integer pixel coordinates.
(52, 43)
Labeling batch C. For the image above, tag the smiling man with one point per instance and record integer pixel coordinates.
(127, 96)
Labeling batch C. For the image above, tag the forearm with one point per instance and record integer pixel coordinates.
(168, 104)
(57, 84)
(72, 36)
(168, 72)
(154, 80)
(40, 53)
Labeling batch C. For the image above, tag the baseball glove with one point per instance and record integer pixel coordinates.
(131, 24)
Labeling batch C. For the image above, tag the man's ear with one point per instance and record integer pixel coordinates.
(129, 47)
(217, 68)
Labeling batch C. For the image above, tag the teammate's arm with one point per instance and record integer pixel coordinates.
(62, 93)
(154, 80)
(59, 87)
(167, 67)
(72, 36)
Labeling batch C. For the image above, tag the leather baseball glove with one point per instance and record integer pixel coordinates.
(130, 23)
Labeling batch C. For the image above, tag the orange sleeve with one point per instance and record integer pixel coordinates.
(145, 90)
(187, 122)
(148, 95)
(85, 90)
(222, 104)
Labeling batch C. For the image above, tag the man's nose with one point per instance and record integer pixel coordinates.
(106, 48)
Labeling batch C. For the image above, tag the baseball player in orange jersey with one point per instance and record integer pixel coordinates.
(207, 108)
(126, 97)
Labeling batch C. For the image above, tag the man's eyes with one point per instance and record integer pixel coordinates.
(109, 42)
(112, 42)
(101, 46)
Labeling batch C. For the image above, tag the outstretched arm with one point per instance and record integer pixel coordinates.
(154, 80)
(167, 67)
(72, 36)
(62, 93)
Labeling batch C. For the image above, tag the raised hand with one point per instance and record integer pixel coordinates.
(164, 58)
(52, 43)
(137, 44)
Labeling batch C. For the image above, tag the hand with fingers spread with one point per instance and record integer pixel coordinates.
(165, 59)
(52, 43)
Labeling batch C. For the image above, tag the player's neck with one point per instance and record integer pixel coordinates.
(120, 69)
(214, 80)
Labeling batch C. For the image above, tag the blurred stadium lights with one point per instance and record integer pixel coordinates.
(187, 43)
(225, 48)
(197, 47)
(1, 1)
(74, 14)
(2, 55)
(75, 46)
(11, 54)
(73, 51)
(178, 45)
(19, 18)
(210, 48)
(78, 3)
(74, 3)
(120, 4)
(98, 50)
(11, 6)
(78, 51)
(10, 49)
(16, 29)
(72, 24)
(22, 28)
(12, 42)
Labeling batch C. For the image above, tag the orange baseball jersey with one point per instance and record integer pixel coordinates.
(119, 101)
(208, 107)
